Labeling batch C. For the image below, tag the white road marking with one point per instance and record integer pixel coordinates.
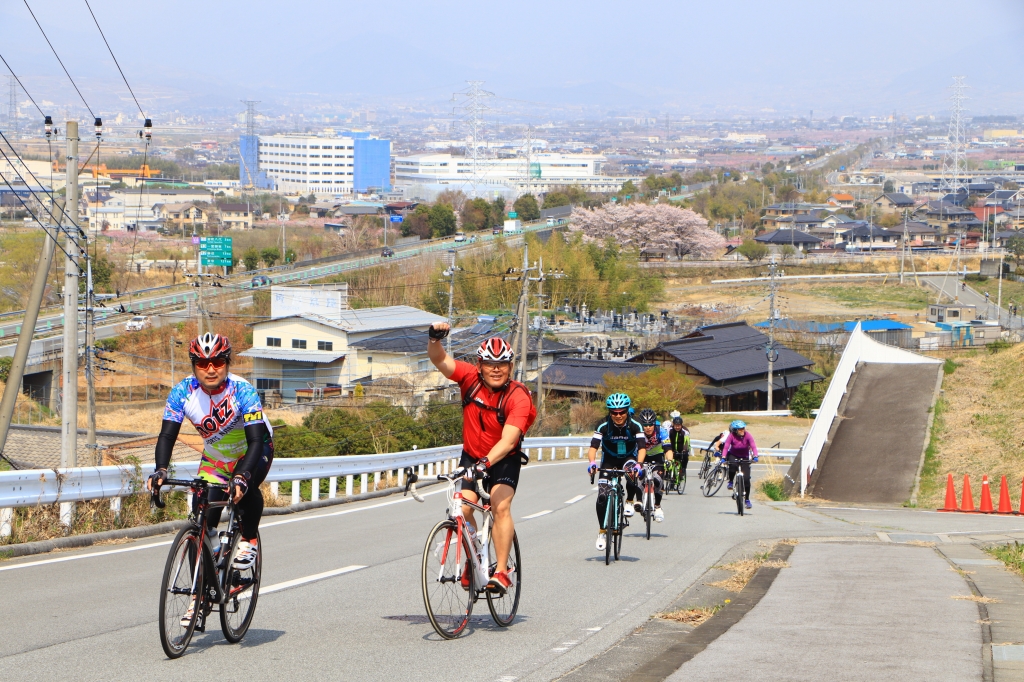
(575, 499)
(540, 513)
(308, 579)
(594, 629)
(57, 560)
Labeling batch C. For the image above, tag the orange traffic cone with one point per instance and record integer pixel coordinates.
(1021, 498)
(966, 499)
(1004, 498)
(986, 497)
(950, 505)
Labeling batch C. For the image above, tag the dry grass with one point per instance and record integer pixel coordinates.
(978, 429)
(693, 617)
(919, 543)
(962, 572)
(975, 598)
(744, 570)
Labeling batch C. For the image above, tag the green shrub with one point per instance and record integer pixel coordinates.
(808, 397)
(997, 345)
(949, 366)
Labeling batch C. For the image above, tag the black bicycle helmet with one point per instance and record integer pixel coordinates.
(647, 417)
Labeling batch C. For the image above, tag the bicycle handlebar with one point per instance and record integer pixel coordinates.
(181, 483)
(410, 486)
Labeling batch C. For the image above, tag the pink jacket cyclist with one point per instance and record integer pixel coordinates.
(742, 447)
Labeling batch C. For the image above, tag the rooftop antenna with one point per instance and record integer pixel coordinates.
(954, 158)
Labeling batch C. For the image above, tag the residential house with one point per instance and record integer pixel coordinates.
(779, 238)
(804, 221)
(730, 365)
(305, 351)
(842, 200)
(893, 202)
(236, 216)
(865, 237)
(1003, 238)
(942, 214)
(582, 378)
(919, 233)
(773, 213)
(951, 312)
(1000, 197)
(183, 216)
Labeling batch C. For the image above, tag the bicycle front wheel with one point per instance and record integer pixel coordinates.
(243, 590)
(648, 508)
(179, 607)
(503, 607)
(714, 481)
(448, 603)
(739, 490)
(681, 481)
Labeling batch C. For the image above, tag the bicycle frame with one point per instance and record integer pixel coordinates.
(615, 483)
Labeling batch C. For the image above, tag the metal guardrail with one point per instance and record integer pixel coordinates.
(31, 487)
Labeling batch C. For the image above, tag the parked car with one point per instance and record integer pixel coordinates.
(387, 252)
(495, 230)
(138, 323)
(460, 236)
(260, 281)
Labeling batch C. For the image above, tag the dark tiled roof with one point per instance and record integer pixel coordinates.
(899, 198)
(727, 351)
(872, 230)
(404, 340)
(243, 208)
(587, 374)
(38, 447)
(787, 237)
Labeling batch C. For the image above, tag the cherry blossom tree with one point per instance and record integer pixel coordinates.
(660, 228)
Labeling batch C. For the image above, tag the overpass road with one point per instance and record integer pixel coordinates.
(91, 614)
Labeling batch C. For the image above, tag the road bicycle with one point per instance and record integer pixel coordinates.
(714, 479)
(705, 466)
(458, 562)
(675, 476)
(647, 498)
(615, 521)
(739, 486)
(199, 576)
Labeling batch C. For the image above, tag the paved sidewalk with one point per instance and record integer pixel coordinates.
(853, 612)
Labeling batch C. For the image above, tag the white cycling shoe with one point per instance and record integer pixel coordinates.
(628, 511)
(601, 540)
(659, 515)
(245, 556)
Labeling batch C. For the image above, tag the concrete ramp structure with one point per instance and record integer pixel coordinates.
(867, 443)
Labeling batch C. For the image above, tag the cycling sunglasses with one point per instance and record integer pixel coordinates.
(618, 413)
(204, 363)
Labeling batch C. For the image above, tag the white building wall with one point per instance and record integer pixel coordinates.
(303, 164)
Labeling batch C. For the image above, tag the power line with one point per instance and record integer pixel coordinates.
(22, 85)
(59, 59)
(36, 180)
(115, 59)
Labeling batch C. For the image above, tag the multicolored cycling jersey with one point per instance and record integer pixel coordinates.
(656, 444)
(220, 419)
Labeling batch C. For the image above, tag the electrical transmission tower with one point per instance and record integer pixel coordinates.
(954, 160)
(12, 107)
(249, 148)
(528, 159)
(473, 108)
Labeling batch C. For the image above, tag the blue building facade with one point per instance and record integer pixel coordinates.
(248, 166)
(372, 164)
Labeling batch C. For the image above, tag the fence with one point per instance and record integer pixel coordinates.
(30, 487)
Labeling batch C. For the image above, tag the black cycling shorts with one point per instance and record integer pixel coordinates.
(505, 472)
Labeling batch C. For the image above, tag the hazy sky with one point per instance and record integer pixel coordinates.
(680, 57)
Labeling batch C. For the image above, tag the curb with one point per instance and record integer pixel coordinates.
(89, 539)
(689, 644)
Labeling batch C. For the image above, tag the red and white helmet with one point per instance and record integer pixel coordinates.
(495, 350)
(209, 346)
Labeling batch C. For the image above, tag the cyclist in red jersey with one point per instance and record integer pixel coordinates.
(496, 414)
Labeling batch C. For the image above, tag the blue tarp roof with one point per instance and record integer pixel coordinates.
(832, 327)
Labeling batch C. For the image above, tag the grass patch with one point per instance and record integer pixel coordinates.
(976, 598)
(907, 296)
(931, 480)
(772, 487)
(694, 617)
(949, 366)
(1011, 555)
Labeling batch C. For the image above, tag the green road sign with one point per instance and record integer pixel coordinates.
(215, 251)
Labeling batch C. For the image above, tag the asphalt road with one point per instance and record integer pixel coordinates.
(91, 614)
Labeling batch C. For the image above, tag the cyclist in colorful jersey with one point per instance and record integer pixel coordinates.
(496, 414)
(656, 445)
(621, 441)
(238, 439)
(739, 450)
(679, 442)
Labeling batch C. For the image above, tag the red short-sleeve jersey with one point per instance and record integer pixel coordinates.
(480, 427)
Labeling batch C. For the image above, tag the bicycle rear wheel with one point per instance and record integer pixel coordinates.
(176, 594)
(448, 604)
(610, 527)
(503, 607)
(619, 532)
(243, 591)
(739, 490)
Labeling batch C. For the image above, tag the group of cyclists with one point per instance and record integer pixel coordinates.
(497, 412)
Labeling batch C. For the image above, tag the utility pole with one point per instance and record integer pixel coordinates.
(771, 352)
(69, 403)
(90, 365)
(541, 276)
(519, 337)
(450, 274)
(28, 326)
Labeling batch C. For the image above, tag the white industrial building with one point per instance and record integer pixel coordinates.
(322, 165)
(427, 174)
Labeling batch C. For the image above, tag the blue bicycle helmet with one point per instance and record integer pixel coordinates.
(738, 424)
(617, 401)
